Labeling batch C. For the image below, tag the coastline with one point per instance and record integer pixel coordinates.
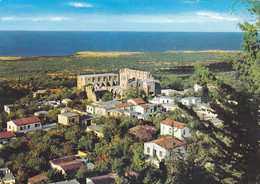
(116, 54)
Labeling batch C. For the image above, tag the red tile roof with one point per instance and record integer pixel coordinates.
(145, 106)
(6, 135)
(37, 178)
(25, 121)
(138, 100)
(137, 128)
(129, 104)
(69, 164)
(63, 160)
(177, 124)
(167, 142)
(71, 167)
(54, 90)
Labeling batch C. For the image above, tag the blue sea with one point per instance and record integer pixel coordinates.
(57, 43)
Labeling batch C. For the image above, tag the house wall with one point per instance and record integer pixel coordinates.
(140, 109)
(14, 128)
(178, 133)
(166, 100)
(154, 150)
(101, 111)
(90, 109)
(67, 120)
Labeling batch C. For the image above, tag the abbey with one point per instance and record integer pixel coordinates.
(128, 79)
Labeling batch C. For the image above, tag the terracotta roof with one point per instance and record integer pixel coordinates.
(166, 142)
(176, 123)
(106, 179)
(129, 104)
(54, 90)
(145, 106)
(25, 121)
(137, 128)
(63, 160)
(6, 135)
(138, 100)
(37, 178)
(71, 167)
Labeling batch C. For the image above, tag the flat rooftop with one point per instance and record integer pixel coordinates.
(98, 75)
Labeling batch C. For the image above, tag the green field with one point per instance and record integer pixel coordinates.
(155, 62)
(20, 76)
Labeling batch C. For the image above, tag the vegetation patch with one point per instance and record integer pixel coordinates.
(104, 54)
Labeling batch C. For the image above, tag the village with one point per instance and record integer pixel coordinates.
(165, 138)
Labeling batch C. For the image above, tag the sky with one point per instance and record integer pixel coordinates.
(119, 15)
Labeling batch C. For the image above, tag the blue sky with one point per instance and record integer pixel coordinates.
(118, 15)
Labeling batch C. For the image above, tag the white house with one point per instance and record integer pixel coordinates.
(198, 87)
(191, 101)
(65, 101)
(6, 176)
(145, 108)
(6, 136)
(9, 108)
(160, 148)
(104, 110)
(155, 100)
(100, 107)
(41, 113)
(129, 106)
(24, 124)
(169, 107)
(168, 92)
(68, 118)
(68, 165)
(180, 129)
(204, 111)
(65, 110)
(166, 99)
(162, 100)
(136, 101)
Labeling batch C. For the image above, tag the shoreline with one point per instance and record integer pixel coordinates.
(115, 54)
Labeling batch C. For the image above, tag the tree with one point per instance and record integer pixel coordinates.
(248, 64)
(202, 74)
(233, 145)
(53, 114)
(55, 175)
(69, 148)
(139, 164)
(107, 96)
(82, 174)
(190, 168)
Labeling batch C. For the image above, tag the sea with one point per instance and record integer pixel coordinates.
(62, 43)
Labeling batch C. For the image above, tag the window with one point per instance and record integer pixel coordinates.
(160, 153)
(36, 125)
(183, 132)
(21, 128)
(29, 126)
(10, 127)
(154, 153)
(148, 150)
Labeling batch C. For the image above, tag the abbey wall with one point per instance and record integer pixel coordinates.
(129, 80)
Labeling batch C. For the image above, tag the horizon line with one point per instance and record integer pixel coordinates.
(121, 31)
